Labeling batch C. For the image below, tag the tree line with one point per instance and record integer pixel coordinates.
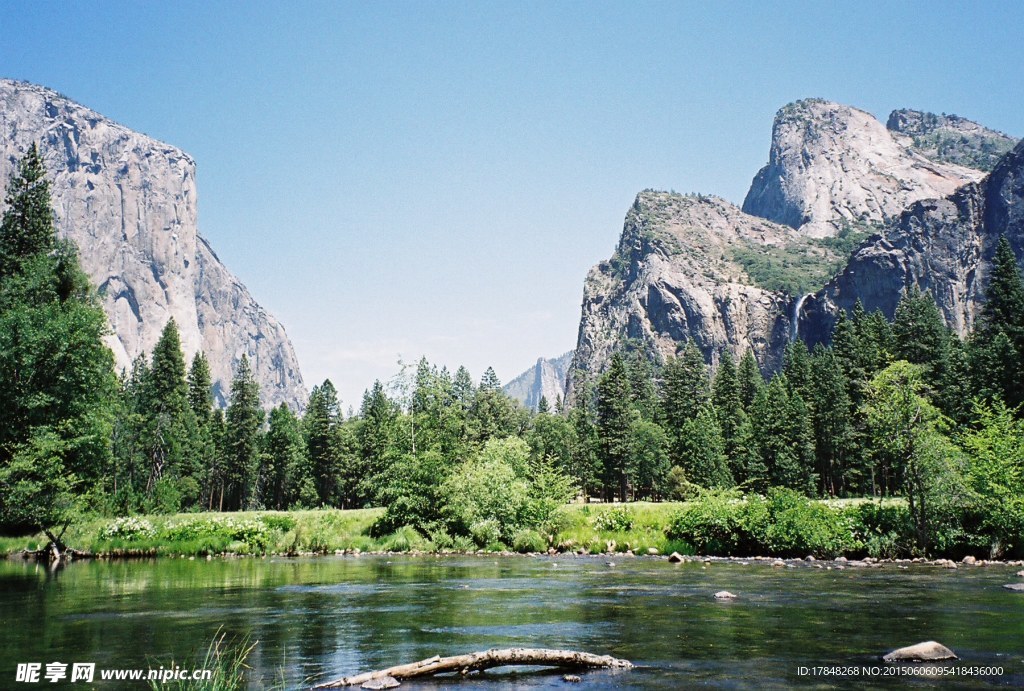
(900, 407)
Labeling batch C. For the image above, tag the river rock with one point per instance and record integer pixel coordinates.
(572, 678)
(969, 560)
(1021, 574)
(724, 595)
(675, 557)
(778, 562)
(381, 683)
(653, 551)
(929, 651)
(1019, 587)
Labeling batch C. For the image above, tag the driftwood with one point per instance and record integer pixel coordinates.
(471, 662)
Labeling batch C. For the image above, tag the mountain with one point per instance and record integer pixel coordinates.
(546, 378)
(679, 273)
(129, 204)
(951, 138)
(941, 245)
(833, 167)
(697, 267)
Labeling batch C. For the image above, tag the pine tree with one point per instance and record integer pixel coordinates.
(321, 422)
(284, 451)
(686, 387)
(751, 381)
(542, 404)
(57, 381)
(728, 406)
(27, 229)
(376, 437)
(615, 416)
(998, 344)
(702, 451)
(919, 331)
(832, 426)
(648, 460)
(168, 422)
(200, 387)
(242, 439)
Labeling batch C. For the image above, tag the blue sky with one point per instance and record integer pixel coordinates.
(411, 178)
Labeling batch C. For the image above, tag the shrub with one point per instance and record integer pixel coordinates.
(128, 529)
(529, 541)
(485, 532)
(618, 520)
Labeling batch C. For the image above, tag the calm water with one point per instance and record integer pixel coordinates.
(325, 617)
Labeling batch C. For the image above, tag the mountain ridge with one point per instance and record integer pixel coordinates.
(129, 202)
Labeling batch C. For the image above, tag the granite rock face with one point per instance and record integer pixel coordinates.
(941, 245)
(129, 204)
(696, 267)
(950, 138)
(673, 278)
(545, 379)
(833, 167)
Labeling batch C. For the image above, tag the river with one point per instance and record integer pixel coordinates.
(319, 618)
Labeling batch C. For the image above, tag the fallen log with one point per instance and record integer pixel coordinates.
(473, 662)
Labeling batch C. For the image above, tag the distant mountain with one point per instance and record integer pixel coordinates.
(129, 204)
(546, 378)
(951, 138)
(694, 267)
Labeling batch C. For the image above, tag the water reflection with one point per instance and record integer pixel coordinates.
(325, 617)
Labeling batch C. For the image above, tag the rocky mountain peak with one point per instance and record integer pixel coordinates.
(833, 167)
(950, 138)
(129, 203)
(545, 379)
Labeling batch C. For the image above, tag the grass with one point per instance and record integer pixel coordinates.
(596, 528)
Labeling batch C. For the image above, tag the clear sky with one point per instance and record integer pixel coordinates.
(436, 178)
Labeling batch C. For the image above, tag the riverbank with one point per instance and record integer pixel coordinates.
(862, 530)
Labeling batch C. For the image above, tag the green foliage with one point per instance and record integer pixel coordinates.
(527, 540)
(128, 528)
(57, 381)
(785, 524)
(616, 520)
(678, 487)
(243, 420)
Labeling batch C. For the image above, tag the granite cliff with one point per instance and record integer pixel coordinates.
(943, 245)
(545, 379)
(697, 267)
(129, 204)
(832, 167)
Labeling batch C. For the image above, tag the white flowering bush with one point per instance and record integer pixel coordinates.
(128, 528)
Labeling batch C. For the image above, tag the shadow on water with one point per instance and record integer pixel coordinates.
(321, 618)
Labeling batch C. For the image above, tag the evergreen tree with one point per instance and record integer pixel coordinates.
(169, 419)
(783, 434)
(728, 407)
(321, 423)
(648, 461)
(376, 437)
(284, 455)
(702, 450)
(919, 331)
(751, 381)
(686, 387)
(57, 381)
(242, 440)
(463, 389)
(542, 404)
(615, 416)
(200, 387)
(834, 449)
(998, 347)
(27, 229)
(797, 366)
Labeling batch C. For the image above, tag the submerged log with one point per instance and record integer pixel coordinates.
(472, 662)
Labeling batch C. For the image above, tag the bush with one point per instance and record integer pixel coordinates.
(785, 524)
(795, 526)
(617, 520)
(485, 532)
(529, 541)
(884, 530)
(253, 534)
(128, 529)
